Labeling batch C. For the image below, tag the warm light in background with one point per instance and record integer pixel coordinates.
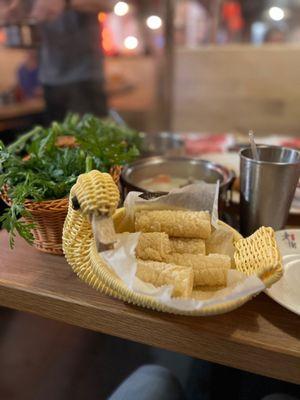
(276, 13)
(107, 42)
(121, 8)
(2, 36)
(102, 17)
(131, 42)
(154, 22)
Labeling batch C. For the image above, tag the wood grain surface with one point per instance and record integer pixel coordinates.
(260, 337)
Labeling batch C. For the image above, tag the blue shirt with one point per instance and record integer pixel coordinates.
(28, 80)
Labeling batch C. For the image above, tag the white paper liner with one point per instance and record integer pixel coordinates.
(122, 260)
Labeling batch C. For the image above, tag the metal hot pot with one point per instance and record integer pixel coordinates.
(179, 167)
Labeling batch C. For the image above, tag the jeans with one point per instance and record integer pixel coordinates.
(153, 382)
(150, 382)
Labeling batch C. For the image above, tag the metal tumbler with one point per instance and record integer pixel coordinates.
(267, 186)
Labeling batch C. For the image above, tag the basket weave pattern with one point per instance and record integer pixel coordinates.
(49, 217)
(259, 253)
(104, 196)
(81, 253)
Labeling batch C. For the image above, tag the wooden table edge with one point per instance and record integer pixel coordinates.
(227, 351)
(272, 347)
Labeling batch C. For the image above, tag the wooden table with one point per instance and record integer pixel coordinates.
(33, 106)
(14, 116)
(260, 337)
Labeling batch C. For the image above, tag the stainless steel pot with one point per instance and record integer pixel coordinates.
(179, 167)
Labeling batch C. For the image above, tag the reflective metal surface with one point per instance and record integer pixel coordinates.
(267, 186)
(179, 167)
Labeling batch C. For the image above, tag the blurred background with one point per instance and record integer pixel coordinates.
(182, 66)
(209, 70)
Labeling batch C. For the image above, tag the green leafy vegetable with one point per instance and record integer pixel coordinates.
(48, 171)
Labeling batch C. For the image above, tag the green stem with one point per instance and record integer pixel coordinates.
(23, 139)
(88, 164)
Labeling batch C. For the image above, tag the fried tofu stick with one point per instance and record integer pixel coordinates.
(160, 274)
(215, 276)
(187, 245)
(208, 270)
(153, 246)
(177, 223)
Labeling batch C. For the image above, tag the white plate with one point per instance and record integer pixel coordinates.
(287, 290)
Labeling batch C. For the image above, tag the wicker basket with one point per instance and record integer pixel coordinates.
(81, 253)
(48, 217)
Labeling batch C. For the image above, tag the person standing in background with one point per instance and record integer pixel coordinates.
(70, 54)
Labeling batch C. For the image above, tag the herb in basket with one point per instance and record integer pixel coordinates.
(36, 168)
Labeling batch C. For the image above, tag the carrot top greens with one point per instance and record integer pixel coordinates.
(48, 172)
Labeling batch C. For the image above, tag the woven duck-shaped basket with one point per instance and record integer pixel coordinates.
(97, 192)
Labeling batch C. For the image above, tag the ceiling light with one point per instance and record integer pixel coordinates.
(121, 8)
(276, 13)
(154, 22)
(131, 42)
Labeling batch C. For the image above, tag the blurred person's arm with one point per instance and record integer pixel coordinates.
(44, 10)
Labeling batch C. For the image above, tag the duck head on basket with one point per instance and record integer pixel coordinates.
(95, 193)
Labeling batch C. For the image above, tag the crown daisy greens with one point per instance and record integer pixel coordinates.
(48, 172)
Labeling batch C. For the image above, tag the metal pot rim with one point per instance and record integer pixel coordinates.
(226, 184)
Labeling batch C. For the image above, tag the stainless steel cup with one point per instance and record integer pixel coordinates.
(267, 186)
